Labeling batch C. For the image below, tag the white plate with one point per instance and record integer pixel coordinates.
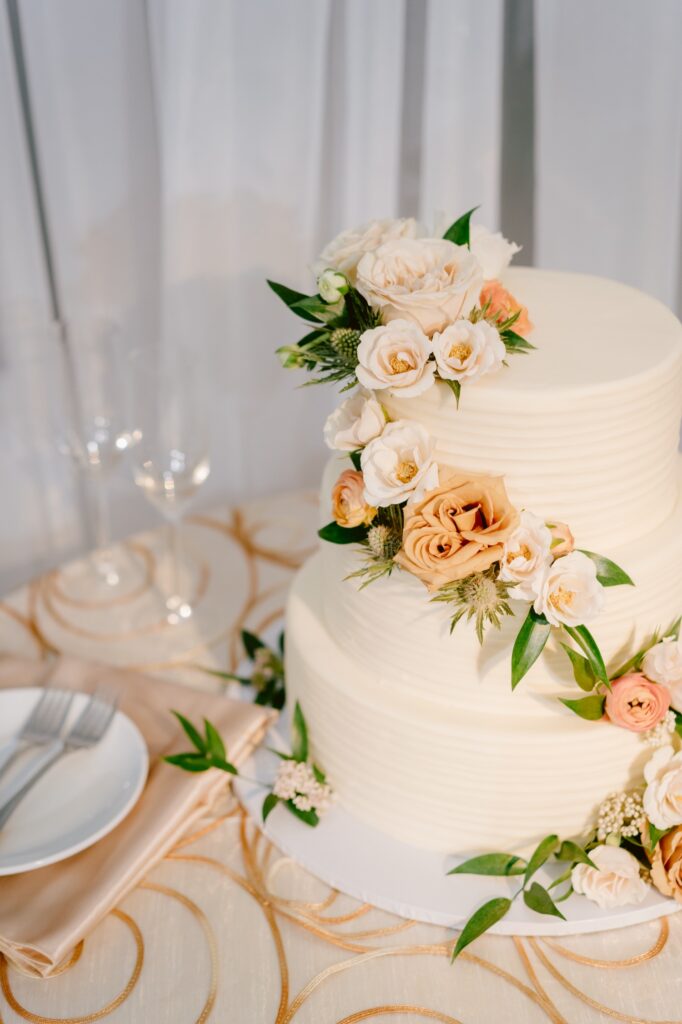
(356, 859)
(78, 801)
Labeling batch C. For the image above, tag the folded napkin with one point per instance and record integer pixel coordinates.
(45, 913)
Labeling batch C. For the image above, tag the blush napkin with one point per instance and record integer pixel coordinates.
(45, 913)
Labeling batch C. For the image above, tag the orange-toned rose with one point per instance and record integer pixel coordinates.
(562, 539)
(666, 865)
(349, 507)
(457, 529)
(635, 703)
(503, 305)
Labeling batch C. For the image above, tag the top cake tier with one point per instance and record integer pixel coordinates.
(586, 428)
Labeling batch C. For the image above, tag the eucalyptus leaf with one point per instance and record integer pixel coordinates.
(582, 669)
(584, 639)
(189, 762)
(497, 864)
(459, 232)
(541, 854)
(214, 740)
(299, 740)
(573, 853)
(193, 733)
(252, 643)
(591, 708)
(480, 921)
(608, 573)
(336, 534)
(269, 805)
(528, 646)
(539, 900)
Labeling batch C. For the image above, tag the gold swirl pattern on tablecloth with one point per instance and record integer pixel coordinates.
(258, 549)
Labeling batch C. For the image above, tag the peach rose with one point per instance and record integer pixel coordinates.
(562, 539)
(503, 305)
(457, 529)
(635, 703)
(349, 507)
(666, 864)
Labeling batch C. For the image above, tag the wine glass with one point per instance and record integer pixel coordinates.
(171, 457)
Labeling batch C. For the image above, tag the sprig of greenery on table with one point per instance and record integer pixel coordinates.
(267, 674)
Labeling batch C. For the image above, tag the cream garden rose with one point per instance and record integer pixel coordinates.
(615, 882)
(395, 357)
(663, 793)
(355, 423)
(347, 249)
(398, 465)
(465, 351)
(430, 281)
(571, 594)
(492, 250)
(527, 556)
(663, 664)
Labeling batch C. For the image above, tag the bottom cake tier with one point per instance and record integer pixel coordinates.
(434, 773)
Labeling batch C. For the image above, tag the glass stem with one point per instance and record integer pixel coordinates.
(175, 556)
(102, 518)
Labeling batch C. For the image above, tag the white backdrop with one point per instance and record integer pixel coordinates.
(206, 145)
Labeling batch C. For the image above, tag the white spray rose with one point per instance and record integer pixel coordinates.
(663, 794)
(430, 281)
(345, 251)
(492, 250)
(395, 357)
(663, 664)
(465, 351)
(357, 421)
(398, 465)
(332, 285)
(615, 882)
(527, 556)
(571, 594)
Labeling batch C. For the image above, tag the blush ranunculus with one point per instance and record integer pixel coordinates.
(503, 305)
(349, 507)
(635, 703)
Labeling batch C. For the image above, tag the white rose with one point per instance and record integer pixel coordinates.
(345, 251)
(492, 250)
(571, 594)
(398, 465)
(332, 285)
(356, 421)
(428, 280)
(395, 357)
(663, 664)
(615, 882)
(663, 794)
(527, 556)
(465, 351)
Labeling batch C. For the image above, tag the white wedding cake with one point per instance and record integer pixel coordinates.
(418, 727)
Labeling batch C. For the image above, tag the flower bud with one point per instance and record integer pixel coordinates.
(332, 285)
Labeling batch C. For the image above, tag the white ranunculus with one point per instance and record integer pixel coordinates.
(492, 250)
(430, 281)
(465, 351)
(398, 465)
(345, 251)
(332, 285)
(615, 882)
(527, 556)
(395, 357)
(663, 664)
(357, 421)
(571, 594)
(663, 794)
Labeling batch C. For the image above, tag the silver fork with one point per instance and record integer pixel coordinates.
(88, 729)
(44, 723)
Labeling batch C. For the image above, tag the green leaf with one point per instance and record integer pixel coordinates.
(189, 762)
(299, 738)
(336, 534)
(316, 309)
(456, 388)
(309, 817)
(515, 343)
(231, 677)
(608, 573)
(590, 649)
(491, 864)
(269, 805)
(480, 921)
(541, 854)
(570, 851)
(678, 723)
(591, 708)
(287, 295)
(656, 834)
(582, 669)
(459, 231)
(281, 643)
(529, 644)
(319, 774)
(539, 900)
(193, 734)
(214, 741)
(355, 459)
(673, 629)
(223, 765)
(252, 643)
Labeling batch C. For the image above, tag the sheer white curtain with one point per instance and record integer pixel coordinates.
(191, 150)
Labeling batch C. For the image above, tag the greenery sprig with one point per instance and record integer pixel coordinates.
(267, 673)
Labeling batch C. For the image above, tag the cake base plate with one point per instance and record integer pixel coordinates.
(362, 862)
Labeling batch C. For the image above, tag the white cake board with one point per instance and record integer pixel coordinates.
(362, 862)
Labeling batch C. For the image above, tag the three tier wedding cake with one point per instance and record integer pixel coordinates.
(486, 645)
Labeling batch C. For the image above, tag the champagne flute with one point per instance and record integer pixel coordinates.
(171, 459)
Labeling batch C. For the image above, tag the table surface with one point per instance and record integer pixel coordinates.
(226, 928)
